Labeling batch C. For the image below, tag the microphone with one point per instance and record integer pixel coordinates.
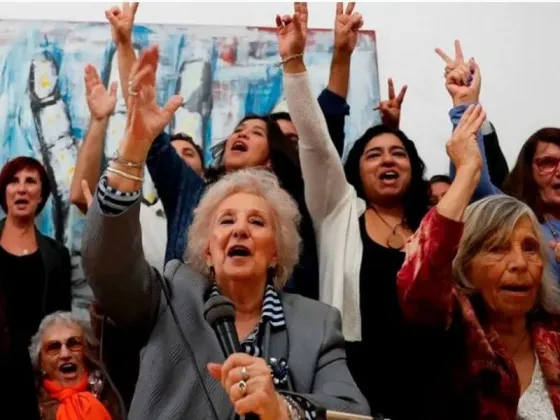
(219, 312)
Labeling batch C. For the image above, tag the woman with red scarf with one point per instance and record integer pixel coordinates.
(72, 385)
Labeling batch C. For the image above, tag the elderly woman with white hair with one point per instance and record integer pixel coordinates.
(72, 384)
(243, 245)
(479, 275)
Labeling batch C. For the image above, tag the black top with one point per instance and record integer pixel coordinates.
(22, 284)
(375, 360)
(394, 364)
(31, 287)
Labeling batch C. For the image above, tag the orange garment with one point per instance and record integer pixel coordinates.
(75, 402)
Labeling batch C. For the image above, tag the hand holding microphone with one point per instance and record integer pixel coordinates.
(246, 379)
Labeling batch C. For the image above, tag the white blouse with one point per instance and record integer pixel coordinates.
(535, 402)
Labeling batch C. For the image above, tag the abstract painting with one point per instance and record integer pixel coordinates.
(223, 73)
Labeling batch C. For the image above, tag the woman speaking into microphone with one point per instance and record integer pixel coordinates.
(243, 245)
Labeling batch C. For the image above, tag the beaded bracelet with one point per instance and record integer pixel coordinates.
(294, 410)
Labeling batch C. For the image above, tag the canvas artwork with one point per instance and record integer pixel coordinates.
(223, 73)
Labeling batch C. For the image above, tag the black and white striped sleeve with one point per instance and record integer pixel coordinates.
(113, 202)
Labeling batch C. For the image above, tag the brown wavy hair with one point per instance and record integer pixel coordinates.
(520, 183)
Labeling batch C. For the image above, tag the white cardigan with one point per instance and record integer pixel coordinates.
(333, 204)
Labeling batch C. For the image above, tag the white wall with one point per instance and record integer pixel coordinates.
(517, 46)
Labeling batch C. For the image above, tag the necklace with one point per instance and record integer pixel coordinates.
(394, 240)
(519, 345)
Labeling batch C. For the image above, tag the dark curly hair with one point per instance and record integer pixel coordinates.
(417, 197)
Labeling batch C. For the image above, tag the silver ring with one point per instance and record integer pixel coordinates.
(244, 374)
(242, 385)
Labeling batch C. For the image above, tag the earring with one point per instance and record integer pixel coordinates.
(211, 272)
(271, 275)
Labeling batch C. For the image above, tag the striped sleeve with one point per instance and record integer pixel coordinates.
(113, 202)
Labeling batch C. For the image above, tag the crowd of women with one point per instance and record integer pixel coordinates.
(359, 286)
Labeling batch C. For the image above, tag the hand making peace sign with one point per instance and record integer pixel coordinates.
(391, 108)
(346, 27)
(292, 31)
(122, 21)
(462, 79)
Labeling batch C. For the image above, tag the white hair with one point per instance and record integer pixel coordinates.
(64, 318)
(494, 218)
(286, 218)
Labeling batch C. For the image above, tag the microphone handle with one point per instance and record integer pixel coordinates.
(227, 336)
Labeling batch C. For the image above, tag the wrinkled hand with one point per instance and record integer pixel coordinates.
(101, 103)
(346, 27)
(292, 31)
(260, 396)
(146, 119)
(462, 147)
(391, 109)
(462, 79)
(122, 21)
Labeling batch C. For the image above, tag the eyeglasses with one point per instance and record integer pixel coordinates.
(547, 164)
(74, 344)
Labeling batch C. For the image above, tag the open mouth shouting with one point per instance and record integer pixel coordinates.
(68, 370)
(238, 251)
(239, 146)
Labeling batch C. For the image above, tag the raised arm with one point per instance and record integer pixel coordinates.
(125, 286)
(425, 282)
(325, 181)
(333, 99)
(101, 104)
(122, 22)
(497, 163)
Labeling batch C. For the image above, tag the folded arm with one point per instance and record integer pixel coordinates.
(333, 386)
(125, 286)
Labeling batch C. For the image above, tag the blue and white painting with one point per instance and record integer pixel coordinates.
(223, 73)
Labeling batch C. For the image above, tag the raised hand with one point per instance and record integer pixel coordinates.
(462, 147)
(122, 21)
(391, 109)
(292, 31)
(462, 79)
(146, 119)
(346, 27)
(101, 103)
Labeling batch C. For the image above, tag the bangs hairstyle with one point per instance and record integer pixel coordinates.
(491, 221)
(520, 183)
(12, 167)
(416, 199)
(285, 215)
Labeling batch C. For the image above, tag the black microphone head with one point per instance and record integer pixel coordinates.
(218, 307)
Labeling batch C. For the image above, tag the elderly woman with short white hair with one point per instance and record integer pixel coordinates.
(243, 245)
(71, 381)
(479, 275)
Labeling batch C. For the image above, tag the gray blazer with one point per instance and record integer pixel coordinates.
(130, 292)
